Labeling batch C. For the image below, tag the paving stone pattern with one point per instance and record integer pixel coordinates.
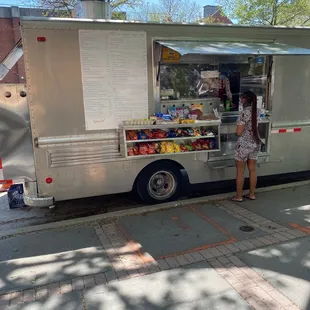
(128, 262)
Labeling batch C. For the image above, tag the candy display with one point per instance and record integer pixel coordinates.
(182, 115)
(176, 115)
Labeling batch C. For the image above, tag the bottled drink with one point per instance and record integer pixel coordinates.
(227, 105)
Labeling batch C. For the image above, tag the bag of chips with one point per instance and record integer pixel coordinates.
(130, 151)
(143, 149)
(177, 148)
(142, 135)
(170, 147)
(151, 148)
(159, 134)
(183, 148)
(131, 135)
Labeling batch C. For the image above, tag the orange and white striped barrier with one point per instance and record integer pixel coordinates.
(286, 130)
(4, 184)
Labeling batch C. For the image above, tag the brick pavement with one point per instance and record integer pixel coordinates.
(128, 261)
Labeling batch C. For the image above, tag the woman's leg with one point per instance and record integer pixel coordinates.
(253, 177)
(240, 165)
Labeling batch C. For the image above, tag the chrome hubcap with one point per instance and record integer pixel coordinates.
(162, 185)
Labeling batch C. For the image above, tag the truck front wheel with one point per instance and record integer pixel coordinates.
(159, 183)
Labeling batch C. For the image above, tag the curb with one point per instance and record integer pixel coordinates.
(108, 217)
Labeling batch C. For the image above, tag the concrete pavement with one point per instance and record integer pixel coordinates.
(208, 255)
(286, 267)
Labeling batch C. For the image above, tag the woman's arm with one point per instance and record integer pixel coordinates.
(239, 130)
(240, 124)
(227, 88)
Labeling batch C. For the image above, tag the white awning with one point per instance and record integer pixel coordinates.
(11, 59)
(233, 48)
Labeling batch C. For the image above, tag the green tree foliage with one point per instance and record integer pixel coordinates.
(268, 12)
(168, 11)
(65, 8)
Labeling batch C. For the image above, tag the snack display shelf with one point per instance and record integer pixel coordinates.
(173, 125)
(185, 141)
(171, 139)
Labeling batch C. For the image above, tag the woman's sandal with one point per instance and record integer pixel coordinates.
(249, 198)
(236, 200)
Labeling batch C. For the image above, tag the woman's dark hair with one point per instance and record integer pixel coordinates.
(252, 102)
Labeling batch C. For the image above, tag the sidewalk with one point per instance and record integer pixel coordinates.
(219, 255)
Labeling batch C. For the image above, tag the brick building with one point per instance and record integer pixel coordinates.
(215, 13)
(9, 36)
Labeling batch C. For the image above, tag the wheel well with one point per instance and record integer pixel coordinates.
(164, 162)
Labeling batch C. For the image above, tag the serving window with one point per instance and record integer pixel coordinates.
(214, 77)
(202, 69)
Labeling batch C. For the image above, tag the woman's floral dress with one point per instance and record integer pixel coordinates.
(247, 147)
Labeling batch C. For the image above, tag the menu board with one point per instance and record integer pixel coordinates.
(114, 77)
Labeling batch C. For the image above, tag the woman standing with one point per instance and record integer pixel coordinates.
(248, 145)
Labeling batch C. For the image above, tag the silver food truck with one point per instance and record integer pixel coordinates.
(111, 106)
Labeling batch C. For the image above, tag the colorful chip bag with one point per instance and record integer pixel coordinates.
(143, 149)
(131, 135)
(151, 148)
(142, 135)
(177, 148)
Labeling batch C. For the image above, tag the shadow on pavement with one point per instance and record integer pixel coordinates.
(37, 259)
(196, 286)
(286, 267)
(290, 205)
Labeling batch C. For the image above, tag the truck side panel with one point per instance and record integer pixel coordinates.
(96, 167)
(16, 152)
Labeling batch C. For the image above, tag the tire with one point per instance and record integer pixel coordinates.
(159, 183)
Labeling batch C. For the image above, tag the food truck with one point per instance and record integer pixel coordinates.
(110, 107)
